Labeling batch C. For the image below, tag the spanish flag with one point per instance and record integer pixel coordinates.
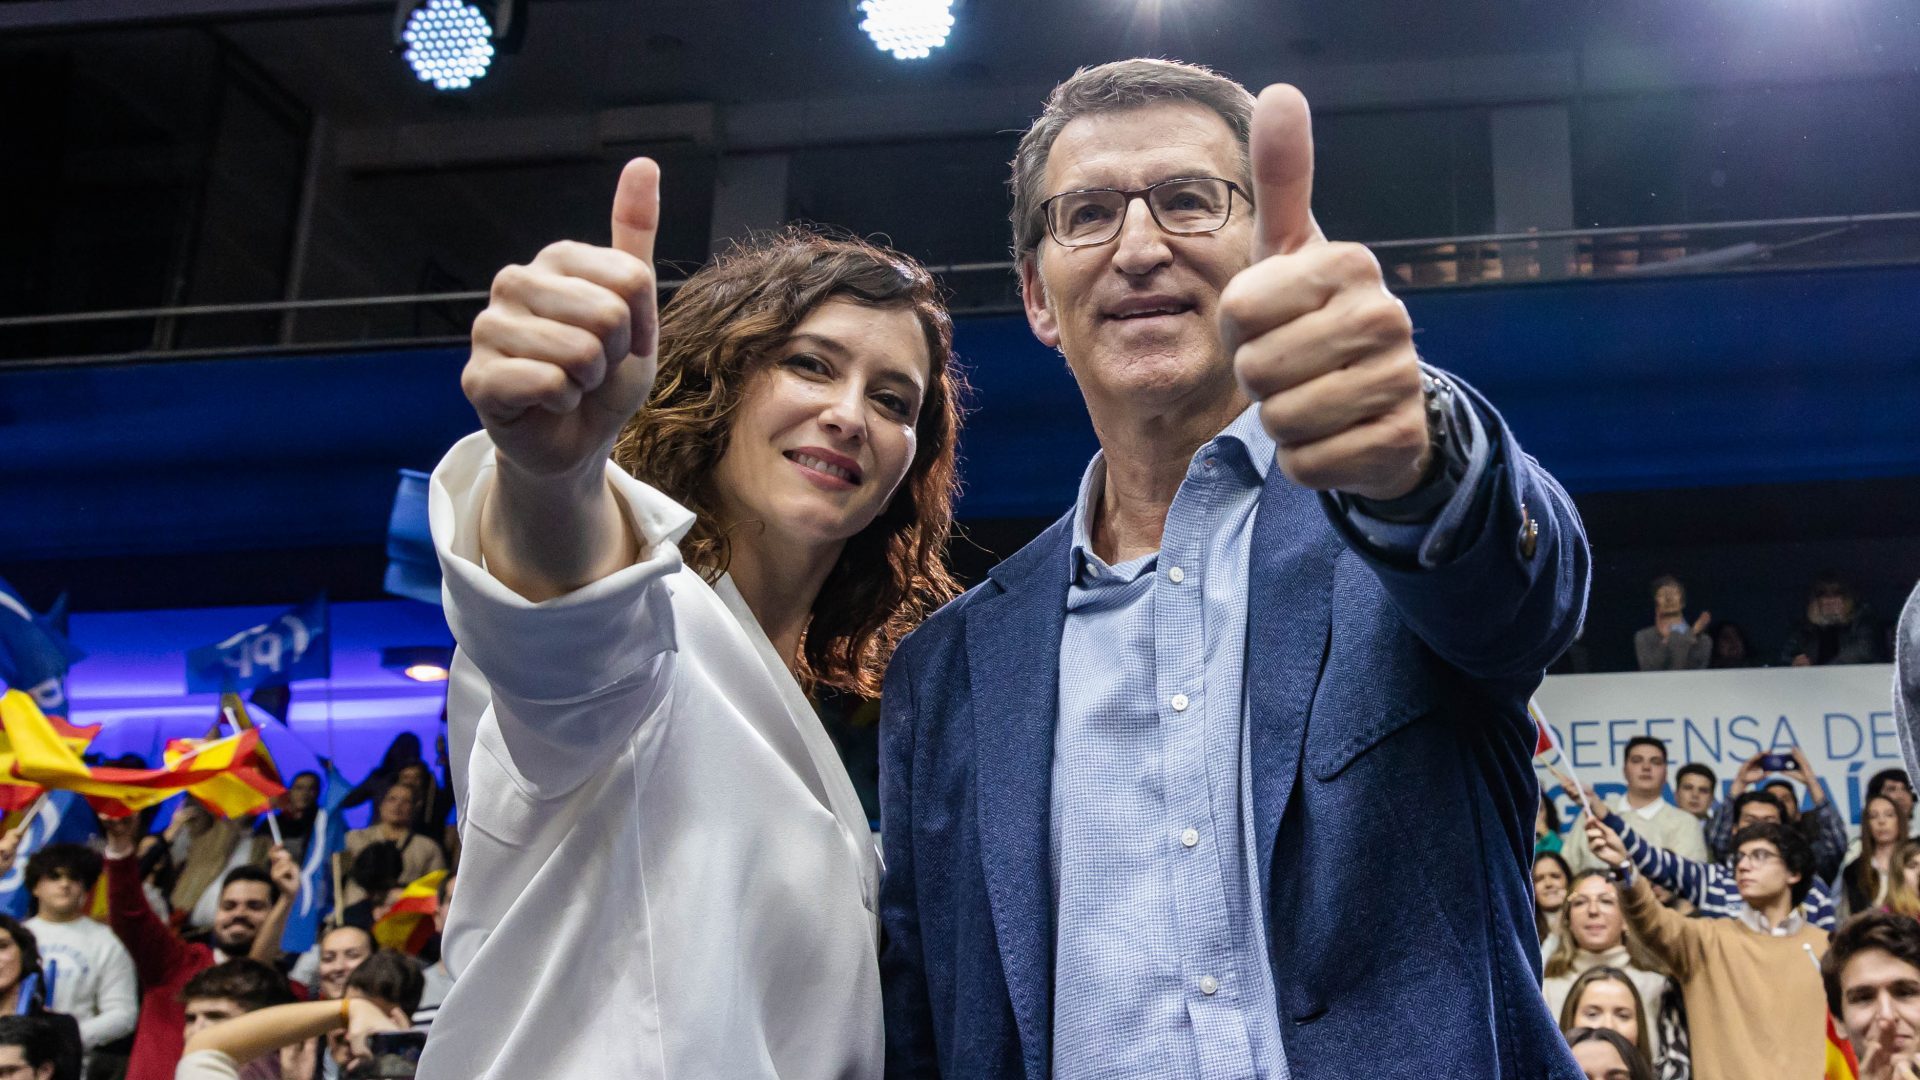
(229, 776)
(1841, 1064)
(408, 924)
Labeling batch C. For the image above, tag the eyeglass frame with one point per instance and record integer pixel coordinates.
(1758, 856)
(1046, 217)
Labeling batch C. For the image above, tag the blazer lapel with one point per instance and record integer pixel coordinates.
(1290, 588)
(1013, 658)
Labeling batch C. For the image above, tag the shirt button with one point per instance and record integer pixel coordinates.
(1208, 985)
(1190, 837)
(1179, 703)
(1176, 575)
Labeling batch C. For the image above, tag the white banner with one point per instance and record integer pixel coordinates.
(1840, 716)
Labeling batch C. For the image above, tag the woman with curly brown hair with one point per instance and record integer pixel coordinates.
(667, 871)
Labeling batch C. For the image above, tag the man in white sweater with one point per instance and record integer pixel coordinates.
(92, 973)
(1645, 807)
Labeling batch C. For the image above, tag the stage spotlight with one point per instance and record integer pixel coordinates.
(421, 663)
(909, 29)
(450, 43)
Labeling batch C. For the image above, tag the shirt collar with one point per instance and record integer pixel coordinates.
(1242, 445)
(1757, 922)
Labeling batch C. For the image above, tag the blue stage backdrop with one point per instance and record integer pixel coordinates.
(1619, 385)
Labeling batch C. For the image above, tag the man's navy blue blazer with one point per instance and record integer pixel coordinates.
(1393, 796)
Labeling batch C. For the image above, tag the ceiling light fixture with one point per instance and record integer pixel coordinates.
(909, 29)
(451, 43)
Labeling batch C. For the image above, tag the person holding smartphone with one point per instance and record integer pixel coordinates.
(381, 995)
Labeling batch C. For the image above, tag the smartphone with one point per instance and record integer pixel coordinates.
(1778, 762)
(395, 1056)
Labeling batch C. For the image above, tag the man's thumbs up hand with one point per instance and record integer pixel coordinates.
(565, 352)
(1317, 339)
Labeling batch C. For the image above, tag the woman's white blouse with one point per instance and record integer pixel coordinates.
(665, 870)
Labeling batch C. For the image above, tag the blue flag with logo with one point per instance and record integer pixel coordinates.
(315, 898)
(63, 817)
(34, 651)
(413, 570)
(293, 645)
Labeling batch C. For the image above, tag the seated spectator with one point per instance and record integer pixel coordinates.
(1710, 887)
(1730, 647)
(439, 976)
(420, 854)
(1836, 629)
(324, 970)
(1593, 936)
(1755, 1007)
(22, 982)
(31, 1048)
(373, 874)
(1872, 978)
(228, 989)
(1821, 825)
(91, 972)
(1903, 891)
(1694, 788)
(1546, 828)
(1864, 882)
(1893, 783)
(342, 951)
(1605, 998)
(1672, 643)
(240, 1046)
(1551, 876)
(1658, 821)
(163, 961)
(1604, 1055)
(294, 815)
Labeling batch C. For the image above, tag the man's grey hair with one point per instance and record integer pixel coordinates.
(1114, 87)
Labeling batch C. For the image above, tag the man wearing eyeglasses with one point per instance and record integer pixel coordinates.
(1756, 1005)
(1145, 791)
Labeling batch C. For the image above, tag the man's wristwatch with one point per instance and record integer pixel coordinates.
(1446, 464)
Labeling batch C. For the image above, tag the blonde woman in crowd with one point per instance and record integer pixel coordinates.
(1605, 997)
(1593, 934)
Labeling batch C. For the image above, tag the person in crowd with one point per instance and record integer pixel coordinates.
(1593, 934)
(325, 969)
(1893, 783)
(404, 750)
(394, 980)
(1605, 1054)
(427, 797)
(1820, 823)
(295, 812)
(239, 1047)
(1836, 629)
(204, 848)
(91, 971)
(636, 635)
(30, 1049)
(22, 982)
(1551, 877)
(394, 826)
(163, 960)
(374, 873)
(1672, 643)
(1644, 804)
(1213, 334)
(1604, 997)
(1903, 887)
(1864, 881)
(223, 993)
(439, 976)
(1695, 789)
(1731, 649)
(1754, 1004)
(1711, 888)
(1546, 828)
(1871, 974)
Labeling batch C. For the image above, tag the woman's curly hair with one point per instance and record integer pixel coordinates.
(719, 330)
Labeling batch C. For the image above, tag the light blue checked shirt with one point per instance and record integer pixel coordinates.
(1160, 965)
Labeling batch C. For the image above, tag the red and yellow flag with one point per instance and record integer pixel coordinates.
(408, 924)
(230, 775)
(1841, 1064)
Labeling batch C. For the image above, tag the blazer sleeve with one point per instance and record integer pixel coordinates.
(1509, 599)
(903, 971)
(1672, 936)
(570, 679)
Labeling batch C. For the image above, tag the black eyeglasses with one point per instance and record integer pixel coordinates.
(1188, 206)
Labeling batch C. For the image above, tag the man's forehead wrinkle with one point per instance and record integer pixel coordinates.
(1102, 151)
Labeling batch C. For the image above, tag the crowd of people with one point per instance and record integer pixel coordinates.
(1833, 628)
(184, 974)
(1711, 937)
